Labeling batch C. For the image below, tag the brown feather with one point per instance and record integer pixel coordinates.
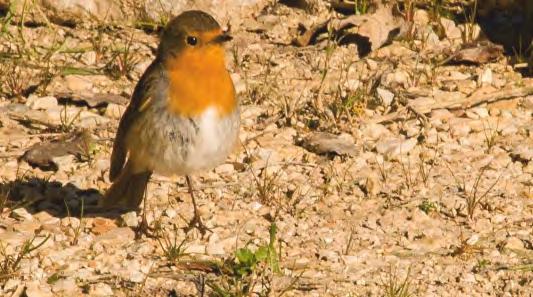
(139, 101)
(127, 191)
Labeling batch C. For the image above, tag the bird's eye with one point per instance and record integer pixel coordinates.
(191, 40)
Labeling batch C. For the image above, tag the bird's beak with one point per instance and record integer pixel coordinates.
(224, 37)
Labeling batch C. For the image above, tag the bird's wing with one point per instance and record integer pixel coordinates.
(141, 99)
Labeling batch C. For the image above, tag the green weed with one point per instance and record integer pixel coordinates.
(173, 249)
(427, 206)
(249, 271)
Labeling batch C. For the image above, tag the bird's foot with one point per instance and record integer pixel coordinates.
(196, 223)
(145, 229)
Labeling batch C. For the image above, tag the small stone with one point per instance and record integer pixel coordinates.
(441, 114)
(398, 78)
(170, 213)
(328, 255)
(88, 58)
(102, 225)
(495, 253)
(72, 222)
(528, 102)
(456, 75)
(385, 95)
(100, 289)
(523, 152)
(65, 163)
(468, 278)
(510, 286)
(351, 261)
(395, 147)
(511, 104)
(59, 115)
(375, 131)
(21, 214)
(45, 218)
(473, 239)
(140, 67)
(214, 248)
(228, 244)
(370, 185)
(498, 218)
(251, 112)
(195, 248)
(35, 290)
(27, 227)
(62, 256)
(482, 112)
(486, 77)
(328, 143)
(267, 155)
(421, 17)
(91, 120)
(301, 263)
(35, 102)
(11, 284)
(13, 238)
(460, 128)
(450, 29)
(101, 164)
(509, 130)
(136, 276)
(77, 83)
(65, 286)
(240, 85)
(513, 243)
(372, 65)
(116, 237)
(352, 84)
(114, 111)
(255, 206)
(225, 169)
(130, 219)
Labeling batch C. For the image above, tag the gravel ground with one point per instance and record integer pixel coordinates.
(403, 172)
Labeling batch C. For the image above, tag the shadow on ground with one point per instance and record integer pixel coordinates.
(36, 194)
(511, 28)
(508, 25)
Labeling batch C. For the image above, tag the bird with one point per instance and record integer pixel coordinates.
(183, 116)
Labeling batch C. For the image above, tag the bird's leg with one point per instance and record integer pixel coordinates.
(196, 221)
(144, 227)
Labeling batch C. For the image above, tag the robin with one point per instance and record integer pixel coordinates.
(183, 116)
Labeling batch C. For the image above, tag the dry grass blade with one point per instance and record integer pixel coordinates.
(396, 287)
(10, 264)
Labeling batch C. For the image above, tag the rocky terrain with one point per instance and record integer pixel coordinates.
(386, 150)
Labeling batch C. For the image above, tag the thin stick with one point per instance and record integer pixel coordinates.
(461, 103)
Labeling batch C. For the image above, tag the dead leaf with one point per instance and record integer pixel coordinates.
(327, 143)
(41, 155)
(369, 31)
(477, 54)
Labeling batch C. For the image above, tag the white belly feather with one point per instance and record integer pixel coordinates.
(181, 146)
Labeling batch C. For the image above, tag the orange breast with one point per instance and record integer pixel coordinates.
(198, 81)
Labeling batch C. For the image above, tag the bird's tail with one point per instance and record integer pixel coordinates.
(127, 190)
